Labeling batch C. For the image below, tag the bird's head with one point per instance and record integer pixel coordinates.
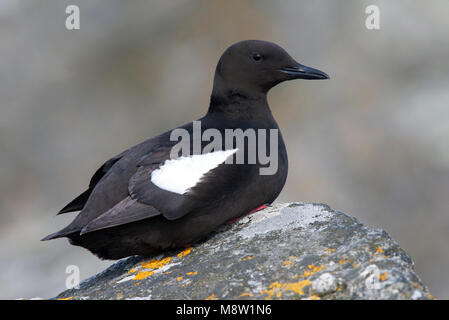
(260, 65)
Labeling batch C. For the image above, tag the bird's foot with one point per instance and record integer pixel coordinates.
(264, 206)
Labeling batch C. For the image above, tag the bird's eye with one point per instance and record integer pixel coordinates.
(257, 57)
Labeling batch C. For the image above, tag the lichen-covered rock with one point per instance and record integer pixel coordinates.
(288, 251)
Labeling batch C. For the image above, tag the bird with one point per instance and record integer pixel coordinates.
(150, 199)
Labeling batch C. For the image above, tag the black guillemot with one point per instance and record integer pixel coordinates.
(155, 197)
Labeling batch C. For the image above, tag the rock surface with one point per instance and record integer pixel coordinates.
(288, 251)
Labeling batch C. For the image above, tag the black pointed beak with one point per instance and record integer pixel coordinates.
(303, 72)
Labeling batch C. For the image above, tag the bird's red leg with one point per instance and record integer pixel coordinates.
(264, 206)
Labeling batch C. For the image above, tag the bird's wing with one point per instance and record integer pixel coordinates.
(104, 198)
(130, 209)
(126, 211)
(145, 199)
(78, 203)
(171, 205)
(177, 191)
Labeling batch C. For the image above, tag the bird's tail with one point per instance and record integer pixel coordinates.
(60, 234)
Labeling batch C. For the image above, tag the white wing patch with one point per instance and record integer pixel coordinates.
(179, 175)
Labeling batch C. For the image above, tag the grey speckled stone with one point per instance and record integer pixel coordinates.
(288, 251)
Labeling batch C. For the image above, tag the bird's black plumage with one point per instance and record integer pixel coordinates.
(124, 213)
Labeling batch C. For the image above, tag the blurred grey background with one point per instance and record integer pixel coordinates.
(372, 142)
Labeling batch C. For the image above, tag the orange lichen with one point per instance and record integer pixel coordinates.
(179, 278)
(417, 285)
(190, 273)
(247, 258)
(312, 270)
(155, 263)
(150, 267)
(185, 252)
(142, 275)
(343, 261)
(246, 294)
(212, 297)
(68, 298)
(330, 251)
(277, 289)
(379, 253)
(314, 297)
(379, 250)
(383, 276)
(288, 261)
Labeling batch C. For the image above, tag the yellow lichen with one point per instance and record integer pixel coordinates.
(343, 261)
(277, 289)
(383, 276)
(68, 298)
(185, 252)
(179, 278)
(212, 297)
(190, 273)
